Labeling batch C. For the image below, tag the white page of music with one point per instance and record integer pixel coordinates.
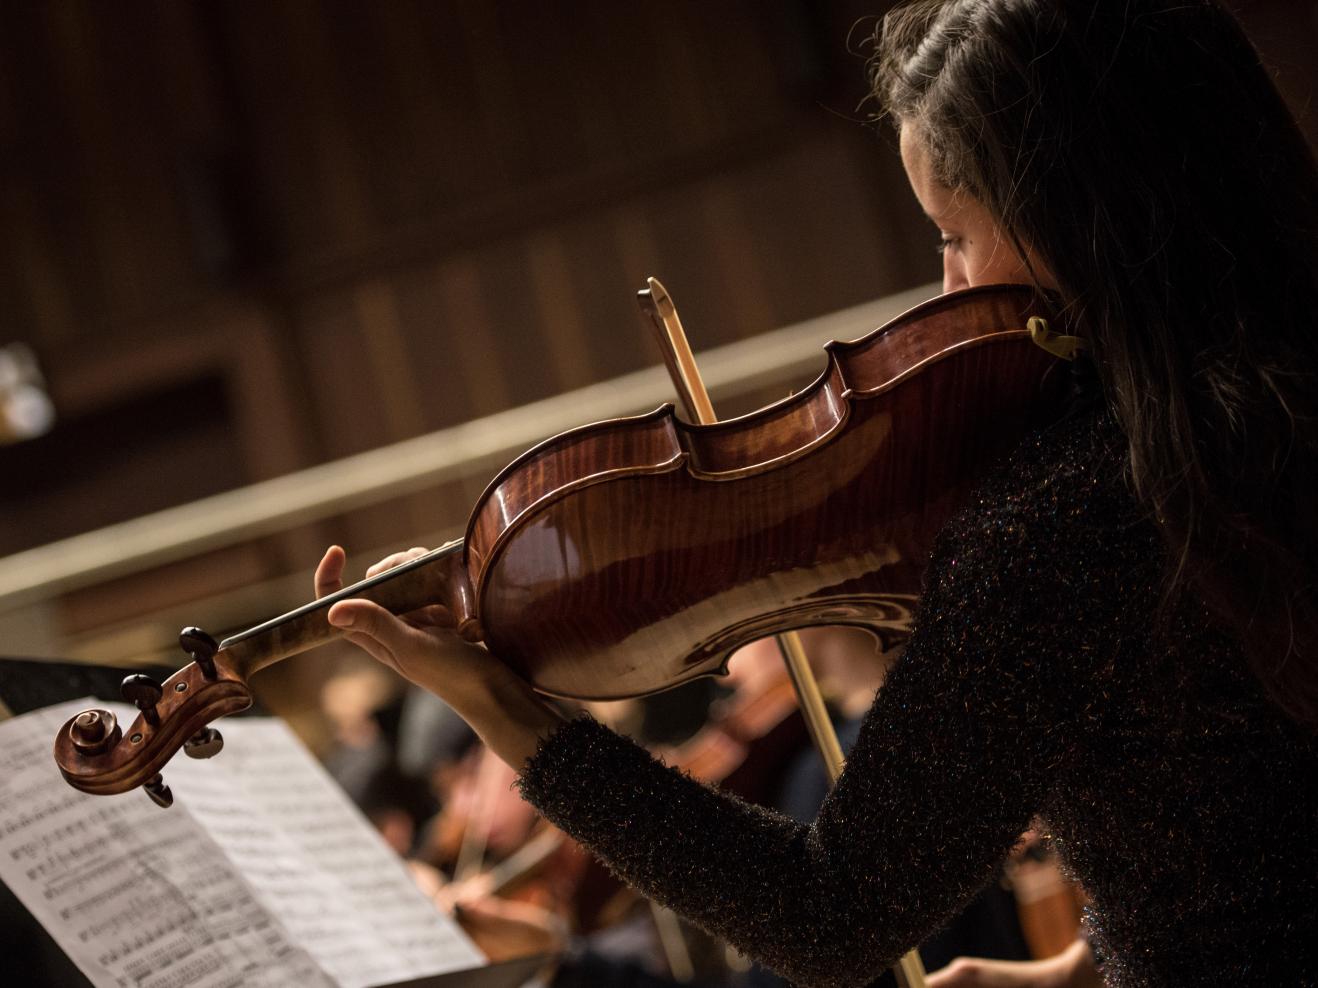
(261, 874)
(316, 861)
(135, 895)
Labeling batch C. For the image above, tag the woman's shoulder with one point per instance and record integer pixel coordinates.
(1082, 447)
(1054, 529)
(1069, 477)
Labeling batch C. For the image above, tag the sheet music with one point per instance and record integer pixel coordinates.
(136, 896)
(262, 873)
(316, 861)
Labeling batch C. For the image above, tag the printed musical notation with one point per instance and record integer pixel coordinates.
(261, 874)
(302, 845)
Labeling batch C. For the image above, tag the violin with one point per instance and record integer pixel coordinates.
(627, 556)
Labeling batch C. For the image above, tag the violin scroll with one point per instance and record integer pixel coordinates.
(95, 754)
(93, 731)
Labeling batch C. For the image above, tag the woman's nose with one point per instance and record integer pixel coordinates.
(954, 275)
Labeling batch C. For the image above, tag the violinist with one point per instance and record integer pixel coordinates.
(1117, 631)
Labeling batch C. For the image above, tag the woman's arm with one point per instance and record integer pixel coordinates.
(952, 761)
(954, 757)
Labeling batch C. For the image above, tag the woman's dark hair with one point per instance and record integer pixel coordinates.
(1143, 152)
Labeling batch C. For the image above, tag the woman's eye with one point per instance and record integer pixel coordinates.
(947, 243)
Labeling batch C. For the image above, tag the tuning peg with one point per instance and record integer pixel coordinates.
(160, 793)
(94, 731)
(202, 647)
(206, 743)
(143, 692)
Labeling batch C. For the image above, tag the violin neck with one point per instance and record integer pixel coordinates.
(437, 578)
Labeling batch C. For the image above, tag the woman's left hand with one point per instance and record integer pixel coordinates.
(500, 706)
(420, 646)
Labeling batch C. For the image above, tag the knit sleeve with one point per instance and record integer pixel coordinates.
(953, 759)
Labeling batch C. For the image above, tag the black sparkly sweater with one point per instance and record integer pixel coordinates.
(1037, 681)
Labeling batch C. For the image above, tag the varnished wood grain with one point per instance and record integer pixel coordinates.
(820, 509)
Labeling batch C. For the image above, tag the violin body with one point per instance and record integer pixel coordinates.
(631, 555)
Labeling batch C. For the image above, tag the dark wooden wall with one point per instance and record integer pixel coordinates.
(251, 236)
(341, 224)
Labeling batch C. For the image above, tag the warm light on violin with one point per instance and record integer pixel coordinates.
(627, 556)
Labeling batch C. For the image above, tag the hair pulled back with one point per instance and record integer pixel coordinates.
(1142, 150)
